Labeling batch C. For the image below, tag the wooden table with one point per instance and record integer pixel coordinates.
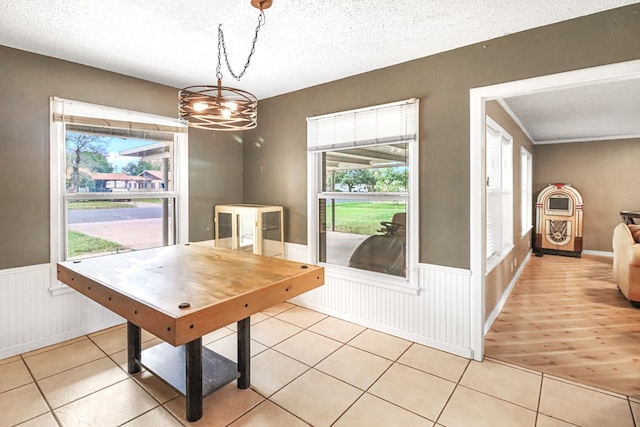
(180, 293)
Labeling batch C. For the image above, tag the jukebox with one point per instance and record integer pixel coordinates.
(559, 211)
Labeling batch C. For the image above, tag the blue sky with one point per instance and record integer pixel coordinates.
(115, 145)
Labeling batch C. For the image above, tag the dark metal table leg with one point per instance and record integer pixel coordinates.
(193, 355)
(244, 353)
(134, 347)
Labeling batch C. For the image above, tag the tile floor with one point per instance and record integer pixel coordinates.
(307, 369)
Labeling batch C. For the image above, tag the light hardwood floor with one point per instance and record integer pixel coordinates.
(566, 317)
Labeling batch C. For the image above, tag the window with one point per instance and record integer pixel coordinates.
(526, 188)
(363, 189)
(499, 194)
(118, 181)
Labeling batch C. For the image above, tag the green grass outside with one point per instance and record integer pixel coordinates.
(362, 217)
(82, 244)
(107, 204)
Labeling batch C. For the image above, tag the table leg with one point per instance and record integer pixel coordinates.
(244, 353)
(193, 355)
(134, 347)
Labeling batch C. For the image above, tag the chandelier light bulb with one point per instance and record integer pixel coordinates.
(200, 106)
(231, 105)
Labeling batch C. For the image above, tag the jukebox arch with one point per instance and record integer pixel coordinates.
(559, 211)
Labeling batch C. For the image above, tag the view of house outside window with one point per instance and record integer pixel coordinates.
(118, 192)
(362, 208)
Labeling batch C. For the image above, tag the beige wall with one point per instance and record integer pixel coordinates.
(275, 173)
(26, 83)
(498, 279)
(605, 172)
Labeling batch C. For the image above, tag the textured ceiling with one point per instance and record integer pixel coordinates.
(302, 44)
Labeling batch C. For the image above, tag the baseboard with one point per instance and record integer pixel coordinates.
(598, 253)
(55, 339)
(505, 295)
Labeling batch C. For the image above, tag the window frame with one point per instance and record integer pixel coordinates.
(526, 191)
(113, 117)
(493, 258)
(315, 184)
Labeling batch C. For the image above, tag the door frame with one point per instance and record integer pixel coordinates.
(477, 174)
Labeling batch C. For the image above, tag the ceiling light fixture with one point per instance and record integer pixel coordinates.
(220, 107)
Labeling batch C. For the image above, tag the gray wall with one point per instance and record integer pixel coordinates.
(223, 171)
(26, 83)
(275, 173)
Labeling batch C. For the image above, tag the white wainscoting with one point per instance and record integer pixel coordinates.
(31, 317)
(438, 315)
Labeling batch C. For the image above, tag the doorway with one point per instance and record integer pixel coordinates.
(478, 97)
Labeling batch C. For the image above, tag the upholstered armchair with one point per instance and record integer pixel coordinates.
(626, 261)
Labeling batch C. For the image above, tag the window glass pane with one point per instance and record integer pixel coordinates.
(100, 227)
(119, 167)
(103, 163)
(364, 234)
(271, 233)
(375, 169)
(225, 230)
(356, 230)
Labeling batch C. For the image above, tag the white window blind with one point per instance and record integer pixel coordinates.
(80, 113)
(526, 189)
(382, 124)
(499, 190)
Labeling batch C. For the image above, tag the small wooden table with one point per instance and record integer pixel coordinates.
(179, 294)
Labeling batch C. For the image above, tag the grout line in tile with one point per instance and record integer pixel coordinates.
(55, 417)
(52, 347)
(349, 407)
(633, 418)
(455, 387)
(284, 409)
(539, 399)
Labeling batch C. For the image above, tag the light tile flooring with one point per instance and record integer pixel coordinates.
(307, 369)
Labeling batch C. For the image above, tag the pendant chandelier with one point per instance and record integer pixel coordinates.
(220, 107)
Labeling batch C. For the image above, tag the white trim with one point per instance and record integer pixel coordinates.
(25, 269)
(515, 118)
(505, 295)
(369, 278)
(420, 339)
(526, 203)
(598, 253)
(493, 262)
(445, 269)
(477, 99)
(56, 339)
(314, 192)
(601, 138)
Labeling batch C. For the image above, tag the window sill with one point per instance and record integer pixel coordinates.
(398, 284)
(525, 232)
(60, 289)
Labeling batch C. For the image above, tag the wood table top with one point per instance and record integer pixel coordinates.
(151, 287)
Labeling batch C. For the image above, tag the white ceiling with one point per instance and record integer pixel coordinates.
(302, 44)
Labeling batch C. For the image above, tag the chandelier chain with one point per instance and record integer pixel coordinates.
(222, 47)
